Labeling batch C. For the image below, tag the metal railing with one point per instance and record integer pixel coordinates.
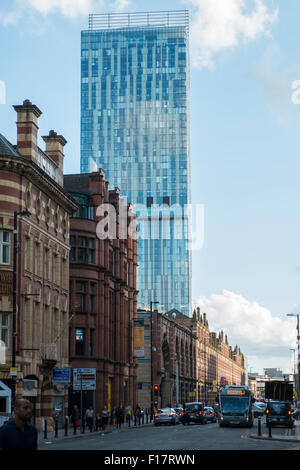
(153, 19)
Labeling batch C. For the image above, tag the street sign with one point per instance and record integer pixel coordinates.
(61, 375)
(84, 379)
(13, 371)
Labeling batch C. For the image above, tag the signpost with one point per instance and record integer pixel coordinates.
(61, 375)
(84, 379)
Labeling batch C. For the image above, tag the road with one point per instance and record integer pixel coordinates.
(179, 438)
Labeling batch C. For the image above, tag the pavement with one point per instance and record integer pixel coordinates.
(79, 434)
(277, 433)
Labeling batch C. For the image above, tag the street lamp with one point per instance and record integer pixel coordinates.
(292, 349)
(14, 319)
(298, 347)
(151, 347)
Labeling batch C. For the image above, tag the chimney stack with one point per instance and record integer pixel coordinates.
(55, 150)
(27, 129)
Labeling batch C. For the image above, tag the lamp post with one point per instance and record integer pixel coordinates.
(15, 308)
(151, 349)
(298, 348)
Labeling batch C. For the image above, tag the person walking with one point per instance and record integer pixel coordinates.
(137, 415)
(75, 419)
(113, 417)
(18, 433)
(128, 414)
(104, 416)
(98, 421)
(120, 416)
(89, 418)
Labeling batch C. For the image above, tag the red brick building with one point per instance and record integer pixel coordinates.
(31, 181)
(102, 292)
(187, 362)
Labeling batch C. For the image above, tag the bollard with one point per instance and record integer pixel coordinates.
(66, 426)
(45, 429)
(56, 427)
(270, 430)
(259, 426)
(147, 416)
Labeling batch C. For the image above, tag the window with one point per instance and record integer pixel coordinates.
(37, 259)
(79, 341)
(4, 247)
(91, 349)
(92, 298)
(4, 328)
(47, 264)
(80, 301)
(27, 253)
(82, 250)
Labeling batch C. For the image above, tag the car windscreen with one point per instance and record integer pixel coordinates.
(195, 407)
(234, 404)
(278, 408)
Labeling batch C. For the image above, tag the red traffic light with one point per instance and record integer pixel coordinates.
(155, 387)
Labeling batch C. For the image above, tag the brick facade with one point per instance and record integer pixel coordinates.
(29, 182)
(189, 363)
(103, 294)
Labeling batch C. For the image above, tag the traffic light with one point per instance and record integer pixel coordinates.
(155, 390)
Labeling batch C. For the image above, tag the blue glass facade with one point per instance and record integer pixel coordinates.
(135, 125)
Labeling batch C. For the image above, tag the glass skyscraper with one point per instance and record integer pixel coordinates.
(135, 125)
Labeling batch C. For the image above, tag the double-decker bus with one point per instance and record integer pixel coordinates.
(236, 406)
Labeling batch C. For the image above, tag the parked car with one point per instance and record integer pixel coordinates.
(180, 413)
(259, 409)
(296, 414)
(165, 416)
(194, 413)
(210, 414)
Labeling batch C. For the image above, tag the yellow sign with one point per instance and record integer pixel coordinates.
(138, 338)
(235, 392)
(192, 394)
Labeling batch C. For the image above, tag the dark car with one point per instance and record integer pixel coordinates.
(210, 414)
(279, 413)
(194, 413)
(180, 413)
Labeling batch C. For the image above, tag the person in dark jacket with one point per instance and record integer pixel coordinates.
(18, 433)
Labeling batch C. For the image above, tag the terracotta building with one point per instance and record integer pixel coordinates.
(217, 363)
(103, 264)
(186, 361)
(172, 363)
(32, 198)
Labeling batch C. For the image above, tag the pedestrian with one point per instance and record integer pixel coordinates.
(128, 414)
(89, 418)
(137, 415)
(18, 433)
(120, 416)
(75, 418)
(98, 421)
(142, 415)
(113, 417)
(104, 417)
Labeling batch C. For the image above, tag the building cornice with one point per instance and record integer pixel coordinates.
(33, 173)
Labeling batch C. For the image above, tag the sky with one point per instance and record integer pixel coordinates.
(245, 130)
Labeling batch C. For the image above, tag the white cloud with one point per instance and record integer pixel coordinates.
(71, 9)
(218, 25)
(263, 338)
